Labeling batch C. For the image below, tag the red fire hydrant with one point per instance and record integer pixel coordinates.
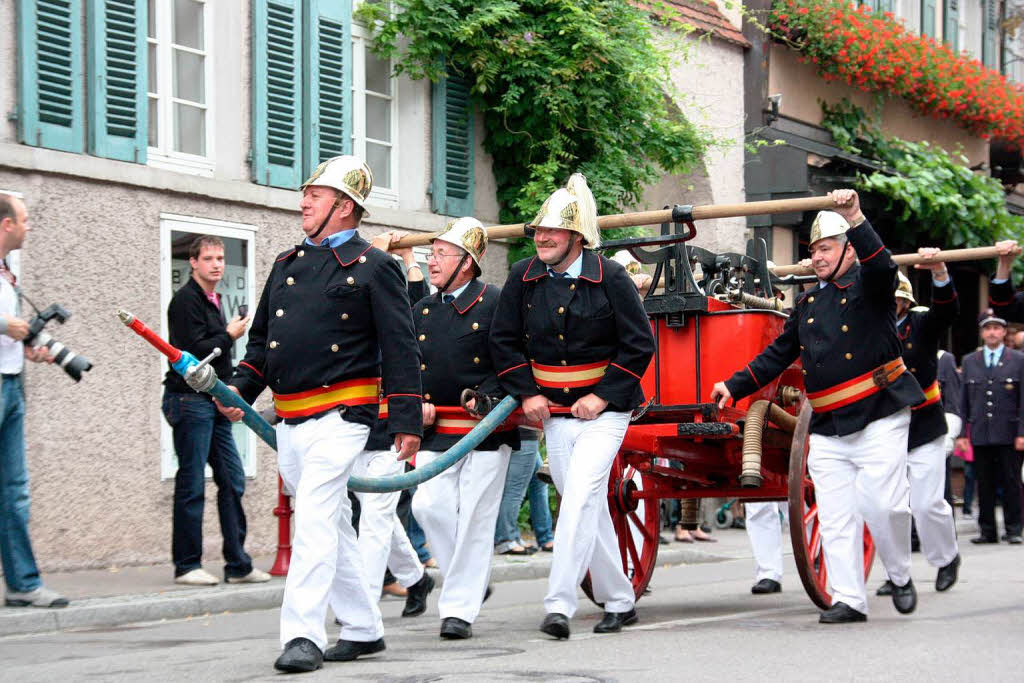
(283, 512)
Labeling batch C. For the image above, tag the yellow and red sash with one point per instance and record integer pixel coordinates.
(855, 389)
(458, 421)
(352, 392)
(568, 376)
(931, 395)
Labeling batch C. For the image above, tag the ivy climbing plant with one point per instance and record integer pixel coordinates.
(929, 190)
(563, 86)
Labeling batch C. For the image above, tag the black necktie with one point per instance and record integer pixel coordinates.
(555, 274)
(448, 298)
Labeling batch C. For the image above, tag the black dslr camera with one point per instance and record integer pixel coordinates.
(72, 363)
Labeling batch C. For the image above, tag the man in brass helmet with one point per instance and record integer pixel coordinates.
(920, 331)
(571, 331)
(458, 509)
(332, 324)
(844, 333)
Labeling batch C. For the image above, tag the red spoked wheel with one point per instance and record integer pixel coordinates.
(804, 529)
(637, 523)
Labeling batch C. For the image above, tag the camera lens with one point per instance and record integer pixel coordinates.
(72, 363)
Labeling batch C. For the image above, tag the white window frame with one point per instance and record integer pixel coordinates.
(164, 156)
(379, 196)
(200, 226)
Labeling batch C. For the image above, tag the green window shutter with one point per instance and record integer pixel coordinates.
(883, 5)
(951, 24)
(452, 135)
(118, 106)
(327, 84)
(51, 110)
(276, 93)
(928, 16)
(990, 34)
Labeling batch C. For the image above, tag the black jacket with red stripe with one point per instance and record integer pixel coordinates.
(839, 332)
(920, 333)
(327, 316)
(596, 318)
(1005, 302)
(455, 354)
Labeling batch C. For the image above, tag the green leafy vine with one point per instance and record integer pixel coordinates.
(563, 85)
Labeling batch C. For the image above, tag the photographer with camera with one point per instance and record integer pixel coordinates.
(24, 586)
(201, 434)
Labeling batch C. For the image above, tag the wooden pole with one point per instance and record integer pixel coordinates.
(949, 255)
(626, 220)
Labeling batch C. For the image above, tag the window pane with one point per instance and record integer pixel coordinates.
(378, 118)
(154, 132)
(188, 76)
(188, 23)
(378, 157)
(189, 130)
(378, 73)
(153, 83)
(151, 30)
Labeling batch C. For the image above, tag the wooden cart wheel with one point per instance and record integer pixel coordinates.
(804, 529)
(637, 525)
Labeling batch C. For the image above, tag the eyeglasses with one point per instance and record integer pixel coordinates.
(442, 255)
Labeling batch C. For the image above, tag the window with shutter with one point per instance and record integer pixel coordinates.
(951, 24)
(990, 34)
(928, 16)
(277, 93)
(328, 84)
(50, 89)
(452, 177)
(117, 85)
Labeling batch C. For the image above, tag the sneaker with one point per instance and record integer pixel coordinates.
(40, 597)
(255, 576)
(197, 577)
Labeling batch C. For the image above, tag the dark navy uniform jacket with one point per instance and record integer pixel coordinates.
(839, 332)
(990, 401)
(1005, 302)
(949, 383)
(595, 318)
(920, 332)
(328, 315)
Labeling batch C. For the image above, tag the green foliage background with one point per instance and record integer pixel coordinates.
(563, 85)
(930, 191)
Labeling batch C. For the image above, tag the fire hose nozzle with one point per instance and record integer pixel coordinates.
(202, 377)
(125, 317)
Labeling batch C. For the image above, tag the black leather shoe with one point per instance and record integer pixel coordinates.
(614, 621)
(347, 650)
(556, 625)
(841, 613)
(416, 597)
(300, 655)
(886, 588)
(904, 598)
(487, 593)
(1014, 539)
(453, 628)
(984, 539)
(947, 575)
(766, 586)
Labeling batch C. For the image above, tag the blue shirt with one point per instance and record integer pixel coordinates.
(458, 291)
(333, 241)
(574, 269)
(992, 356)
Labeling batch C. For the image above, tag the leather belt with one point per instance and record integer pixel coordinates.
(858, 388)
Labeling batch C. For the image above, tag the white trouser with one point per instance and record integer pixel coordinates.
(926, 466)
(765, 533)
(862, 477)
(315, 459)
(383, 543)
(581, 453)
(458, 510)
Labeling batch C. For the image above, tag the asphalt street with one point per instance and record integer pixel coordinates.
(700, 622)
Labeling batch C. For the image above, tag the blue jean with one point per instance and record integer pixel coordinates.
(970, 482)
(520, 483)
(416, 535)
(203, 436)
(20, 571)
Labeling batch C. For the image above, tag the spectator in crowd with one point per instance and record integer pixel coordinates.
(24, 586)
(520, 481)
(202, 435)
